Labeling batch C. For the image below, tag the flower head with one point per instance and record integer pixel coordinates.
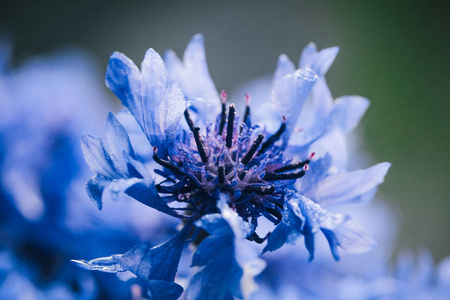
(222, 173)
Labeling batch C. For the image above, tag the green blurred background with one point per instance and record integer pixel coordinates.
(393, 52)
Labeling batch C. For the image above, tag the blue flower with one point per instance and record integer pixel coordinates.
(223, 174)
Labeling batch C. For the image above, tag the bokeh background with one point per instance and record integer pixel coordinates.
(393, 52)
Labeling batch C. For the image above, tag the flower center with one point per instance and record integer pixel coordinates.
(231, 160)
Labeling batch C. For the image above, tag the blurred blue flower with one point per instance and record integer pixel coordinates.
(223, 175)
(45, 216)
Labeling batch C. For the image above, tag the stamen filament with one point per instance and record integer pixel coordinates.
(270, 141)
(189, 120)
(249, 155)
(200, 148)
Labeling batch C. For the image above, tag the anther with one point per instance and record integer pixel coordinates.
(230, 126)
(252, 149)
(284, 176)
(189, 120)
(164, 163)
(247, 110)
(200, 148)
(223, 97)
(274, 212)
(270, 141)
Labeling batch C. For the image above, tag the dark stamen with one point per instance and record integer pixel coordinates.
(221, 174)
(201, 149)
(230, 125)
(189, 120)
(270, 141)
(164, 163)
(284, 176)
(247, 112)
(292, 166)
(223, 96)
(256, 238)
(274, 213)
(241, 128)
(189, 195)
(296, 165)
(252, 149)
(222, 119)
(261, 190)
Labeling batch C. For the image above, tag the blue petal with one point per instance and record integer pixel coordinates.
(309, 242)
(333, 142)
(194, 78)
(347, 112)
(221, 276)
(319, 170)
(199, 81)
(301, 216)
(171, 110)
(119, 143)
(208, 249)
(319, 62)
(289, 95)
(284, 67)
(160, 262)
(277, 238)
(95, 187)
(352, 238)
(110, 264)
(340, 188)
(154, 82)
(313, 119)
(143, 92)
(307, 56)
(160, 289)
(96, 156)
(124, 79)
(174, 65)
(145, 192)
(312, 214)
(332, 241)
